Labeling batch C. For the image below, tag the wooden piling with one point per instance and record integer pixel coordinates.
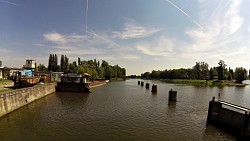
(147, 85)
(213, 111)
(142, 83)
(172, 95)
(154, 88)
(139, 82)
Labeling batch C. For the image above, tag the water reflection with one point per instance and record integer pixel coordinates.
(172, 105)
(76, 99)
(211, 131)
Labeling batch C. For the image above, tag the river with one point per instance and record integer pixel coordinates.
(122, 111)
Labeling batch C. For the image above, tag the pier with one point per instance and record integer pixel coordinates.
(229, 116)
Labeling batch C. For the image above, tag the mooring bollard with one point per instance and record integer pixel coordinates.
(139, 82)
(154, 88)
(147, 85)
(142, 83)
(172, 95)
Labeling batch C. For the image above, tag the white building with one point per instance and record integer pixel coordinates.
(30, 64)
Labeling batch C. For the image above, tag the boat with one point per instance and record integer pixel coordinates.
(26, 81)
(73, 83)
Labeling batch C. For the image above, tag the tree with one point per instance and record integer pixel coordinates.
(230, 74)
(64, 63)
(211, 73)
(41, 67)
(79, 61)
(221, 68)
(55, 63)
(204, 70)
(145, 75)
(240, 74)
(197, 71)
(6, 73)
(72, 67)
(50, 63)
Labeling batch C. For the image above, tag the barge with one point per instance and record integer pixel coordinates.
(73, 83)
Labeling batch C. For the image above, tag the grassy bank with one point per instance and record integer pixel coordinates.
(203, 82)
(117, 79)
(4, 83)
(4, 89)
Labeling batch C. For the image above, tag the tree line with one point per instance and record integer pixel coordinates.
(92, 67)
(200, 71)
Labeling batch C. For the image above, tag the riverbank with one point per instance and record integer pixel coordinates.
(118, 79)
(4, 84)
(204, 82)
(97, 83)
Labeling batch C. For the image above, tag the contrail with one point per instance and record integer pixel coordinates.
(11, 3)
(178, 8)
(90, 31)
(87, 8)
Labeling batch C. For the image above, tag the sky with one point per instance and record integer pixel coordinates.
(139, 35)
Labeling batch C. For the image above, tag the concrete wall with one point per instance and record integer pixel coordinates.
(12, 100)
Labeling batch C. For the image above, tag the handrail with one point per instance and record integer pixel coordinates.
(235, 106)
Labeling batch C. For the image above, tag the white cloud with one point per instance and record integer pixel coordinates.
(161, 47)
(130, 57)
(222, 37)
(95, 45)
(221, 30)
(11, 3)
(60, 38)
(132, 30)
(75, 45)
(54, 37)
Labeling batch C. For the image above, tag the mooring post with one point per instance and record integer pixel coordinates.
(172, 95)
(142, 83)
(147, 85)
(219, 97)
(139, 82)
(213, 111)
(154, 88)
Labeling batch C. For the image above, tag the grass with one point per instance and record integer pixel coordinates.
(4, 89)
(5, 80)
(203, 82)
(117, 79)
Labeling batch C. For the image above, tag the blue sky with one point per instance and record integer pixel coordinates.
(140, 35)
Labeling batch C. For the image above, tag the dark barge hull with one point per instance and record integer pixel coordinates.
(72, 87)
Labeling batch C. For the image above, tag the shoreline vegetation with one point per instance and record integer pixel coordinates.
(210, 83)
(201, 75)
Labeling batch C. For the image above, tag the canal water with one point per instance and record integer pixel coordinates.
(123, 111)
